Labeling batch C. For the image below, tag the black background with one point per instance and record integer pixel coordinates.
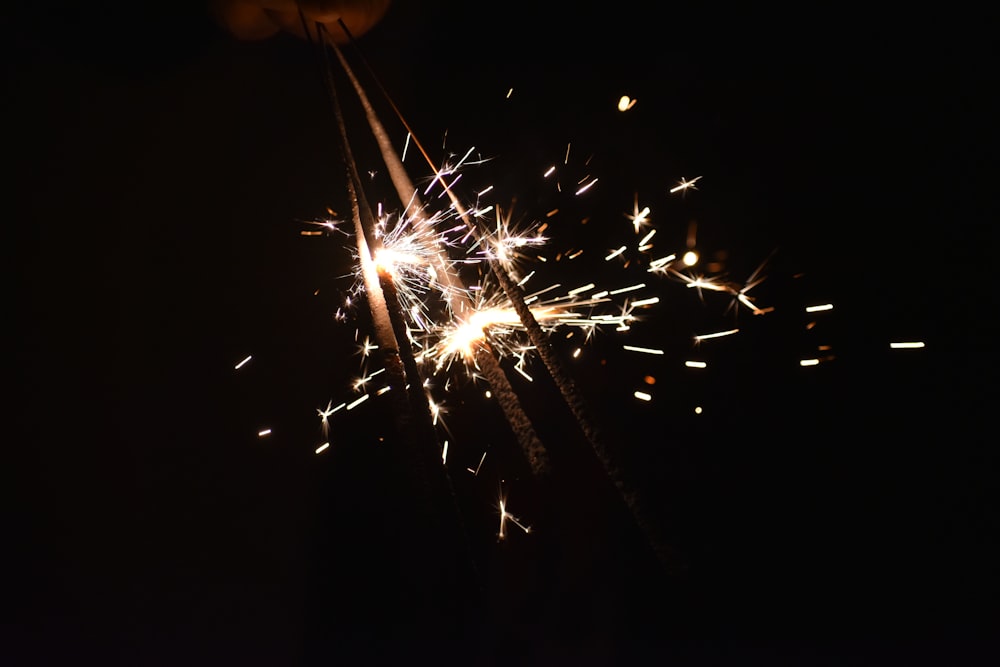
(844, 515)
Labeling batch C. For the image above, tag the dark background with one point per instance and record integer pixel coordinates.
(836, 515)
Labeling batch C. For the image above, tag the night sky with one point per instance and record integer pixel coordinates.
(840, 514)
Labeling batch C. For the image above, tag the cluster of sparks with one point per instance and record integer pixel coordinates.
(448, 321)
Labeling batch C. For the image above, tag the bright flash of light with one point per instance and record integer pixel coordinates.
(639, 218)
(506, 516)
(493, 318)
(684, 184)
(325, 414)
(906, 346)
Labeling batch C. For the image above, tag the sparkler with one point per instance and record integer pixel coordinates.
(408, 274)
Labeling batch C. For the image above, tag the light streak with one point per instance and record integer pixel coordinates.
(695, 364)
(809, 362)
(644, 350)
(355, 403)
(685, 185)
(718, 334)
(444, 452)
(906, 346)
(638, 218)
(242, 363)
(630, 288)
(475, 472)
(662, 263)
(816, 309)
(506, 516)
(625, 103)
(265, 432)
(615, 253)
(586, 187)
(578, 290)
(322, 447)
(646, 302)
(643, 396)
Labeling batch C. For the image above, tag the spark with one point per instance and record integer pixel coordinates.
(367, 347)
(444, 453)
(265, 432)
(322, 447)
(506, 516)
(643, 396)
(809, 362)
(816, 309)
(614, 253)
(646, 302)
(578, 290)
(645, 350)
(406, 146)
(645, 239)
(325, 414)
(242, 363)
(718, 334)
(357, 402)
(684, 185)
(690, 258)
(548, 172)
(625, 103)
(476, 471)
(586, 187)
(906, 346)
(695, 364)
(638, 218)
(662, 263)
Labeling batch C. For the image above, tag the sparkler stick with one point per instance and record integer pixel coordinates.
(455, 292)
(536, 335)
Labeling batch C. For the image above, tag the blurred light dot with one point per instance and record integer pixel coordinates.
(625, 103)
(690, 258)
(649, 379)
(697, 410)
